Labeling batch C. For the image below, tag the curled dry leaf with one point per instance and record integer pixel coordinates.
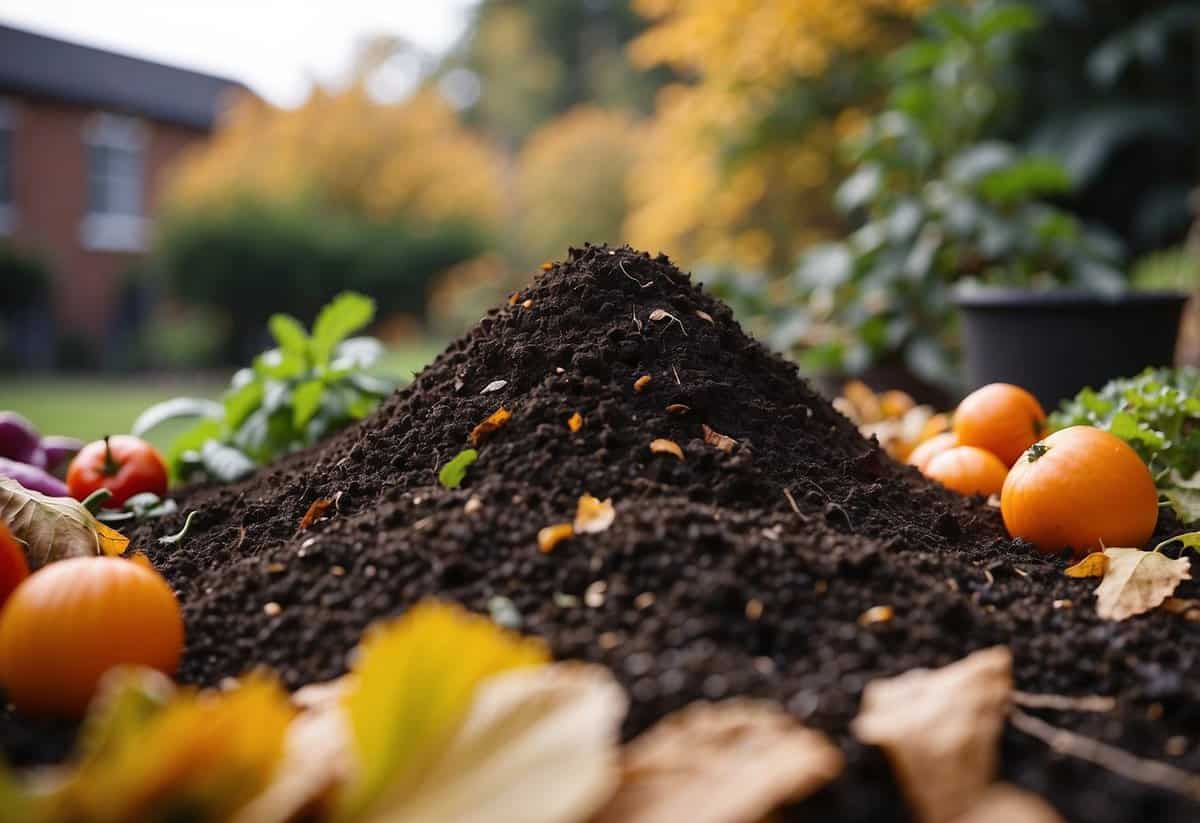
(54, 528)
(661, 445)
(1137, 581)
(491, 425)
(551, 536)
(717, 440)
(593, 515)
(1094, 565)
(495, 385)
(941, 730)
(575, 422)
(538, 746)
(641, 383)
(729, 762)
(1005, 803)
(315, 512)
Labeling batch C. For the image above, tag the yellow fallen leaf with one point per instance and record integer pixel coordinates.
(54, 528)
(663, 446)
(575, 422)
(593, 515)
(717, 440)
(414, 681)
(940, 729)
(551, 536)
(489, 426)
(1137, 581)
(1005, 803)
(538, 746)
(147, 754)
(737, 760)
(1094, 565)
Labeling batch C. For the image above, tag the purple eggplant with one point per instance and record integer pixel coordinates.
(33, 478)
(19, 440)
(58, 451)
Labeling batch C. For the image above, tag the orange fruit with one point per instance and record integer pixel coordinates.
(1083, 488)
(967, 470)
(930, 449)
(1001, 418)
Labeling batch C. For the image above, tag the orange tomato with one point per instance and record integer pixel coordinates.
(1083, 488)
(13, 566)
(1001, 418)
(72, 621)
(930, 449)
(123, 464)
(967, 470)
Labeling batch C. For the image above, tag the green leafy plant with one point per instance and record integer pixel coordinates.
(1158, 414)
(454, 472)
(937, 204)
(291, 396)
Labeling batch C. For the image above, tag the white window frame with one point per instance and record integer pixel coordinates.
(8, 210)
(115, 231)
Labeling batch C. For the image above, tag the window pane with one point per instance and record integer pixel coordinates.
(114, 180)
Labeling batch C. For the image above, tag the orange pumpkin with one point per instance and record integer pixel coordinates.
(1081, 488)
(967, 470)
(13, 566)
(1001, 418)
(72, 621)
(930, 449)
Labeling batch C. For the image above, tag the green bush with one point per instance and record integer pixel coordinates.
(253, 259)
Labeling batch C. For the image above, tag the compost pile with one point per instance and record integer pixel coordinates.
(748, 570)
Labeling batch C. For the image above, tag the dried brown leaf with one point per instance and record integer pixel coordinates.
(941, 730)
(661, 445)
(593, 515)
(551, 536)
(729, 762)
(641, 383)
(678, 408)
(1137, 581)
(495, 421)
(315, 512)
(717, 440)
(575, 422)
(1094, 565)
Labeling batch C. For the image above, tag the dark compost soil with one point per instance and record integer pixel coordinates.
(709, 584)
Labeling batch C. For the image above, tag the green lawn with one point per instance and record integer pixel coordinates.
(92, 406)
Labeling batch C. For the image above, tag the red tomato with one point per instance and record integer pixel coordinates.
(122, 464)
(72, 621)
(13, 566)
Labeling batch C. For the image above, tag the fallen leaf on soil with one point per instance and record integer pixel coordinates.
(663, 446)
(315, 512)
(941, 729)
(593, 515)
(414, 682)
(641, 383)
(488, 427)
(538, 746)
(575, 422)
(551, 536)
(1005, 803)
(495, 385)
(1137, 581)
(147, 746)
(729, 762)
(452, 474)
(1094, 565)
(54, 528)
(678, 408)
(717, 440)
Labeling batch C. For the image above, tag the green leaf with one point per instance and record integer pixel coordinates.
(289, 334)
(240, 403)
(306, 399)
(225, 463)
(1029, 177)
(452, 474)
(174, 409)
(280, 364)
(346, 314)
(1007, 18)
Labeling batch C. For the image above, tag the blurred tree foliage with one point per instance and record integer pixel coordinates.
(740, 164)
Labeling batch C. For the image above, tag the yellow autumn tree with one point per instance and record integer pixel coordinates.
(740, 164)
(410, 160)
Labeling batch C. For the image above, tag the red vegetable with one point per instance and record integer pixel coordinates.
(122, 464)
(13, 566)
(32, 478)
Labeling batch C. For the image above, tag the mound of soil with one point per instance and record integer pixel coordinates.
(725, 573)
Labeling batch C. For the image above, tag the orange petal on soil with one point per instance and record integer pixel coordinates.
(485, 429)
(575, 422)
(551, 536)
(663, 446)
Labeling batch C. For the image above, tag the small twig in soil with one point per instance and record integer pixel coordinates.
(674, 370)
(1117, 761)
(791, 500)
(1064, 703)
(641, 285)
(637, 322)
(663, 314)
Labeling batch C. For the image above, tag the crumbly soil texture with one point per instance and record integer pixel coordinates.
(739, 572)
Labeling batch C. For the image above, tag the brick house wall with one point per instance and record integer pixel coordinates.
(49, 181)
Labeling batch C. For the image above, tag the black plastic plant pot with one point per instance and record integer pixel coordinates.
(1055, 343)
